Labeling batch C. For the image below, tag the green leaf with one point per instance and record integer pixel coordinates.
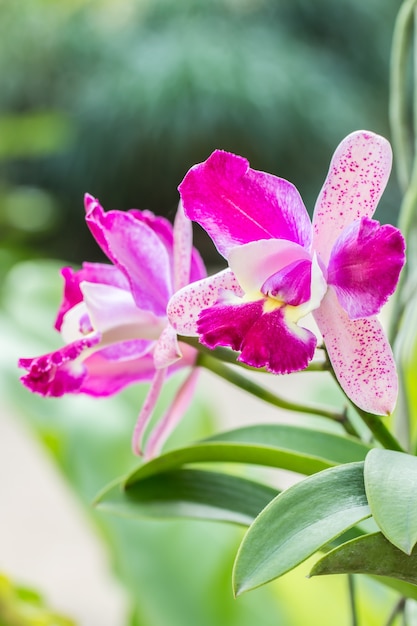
(302, 450)
(189, 493)
(374, 555)
(390, 483)
(297, 523)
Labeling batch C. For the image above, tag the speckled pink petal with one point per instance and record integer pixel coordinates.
(58, 372)
(172, 417)
(264, 339)
(147, 409)
(137, 251)
(183, 243)
(358, 173)
(236, 204)
(365, 265)
(361, 356)
(254, 262)
(167, 350)
(185, 305)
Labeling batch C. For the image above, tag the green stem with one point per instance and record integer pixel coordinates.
(401, 131)
(232, 376)
(397, 610)
(352, 600)
(398, 109)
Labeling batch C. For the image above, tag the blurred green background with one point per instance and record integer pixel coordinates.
(119, 98)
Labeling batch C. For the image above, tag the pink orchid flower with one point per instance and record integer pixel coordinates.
(113, 317)
(342, 267)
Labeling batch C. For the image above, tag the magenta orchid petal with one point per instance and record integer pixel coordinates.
(172, 417)
(137, 251)
(236, 204)
(364, 266)
(228, 324)
(264, 339)
(185, 305)
(108, 373)
(147, 409)
(91, 272)
(360, 355)
(58, 372)
(253, 263)
(122, 320)
(292, 284)
(358, 174)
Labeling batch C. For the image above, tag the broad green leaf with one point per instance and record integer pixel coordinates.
(390, 483)
(298, 522)
(374, 555)
(302, 450)
(189, 493)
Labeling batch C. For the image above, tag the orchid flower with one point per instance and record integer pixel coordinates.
(342, 267)
(113, 317)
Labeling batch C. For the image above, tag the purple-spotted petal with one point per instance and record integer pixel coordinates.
(264, 339)
(236, 204)
(183, 244)
(185, 305)
(253, 263)
(137, 251)
(360, 355)
(365, 265)
(358, 173)
(58, 372)
(167, 350)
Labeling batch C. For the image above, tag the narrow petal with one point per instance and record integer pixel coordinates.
(264, 339)
(137, 251)
(358, 174)
(365, 265)
(185, 305)
(167, 350)
(183, 244)
(236, 204)
(172, 417)
(147, 409)
(253, 263)
(360, 355)
(58, 372)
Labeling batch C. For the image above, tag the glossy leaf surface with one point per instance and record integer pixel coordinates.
(375, 555)
(390, 483)
(300, 521)
(293, 448)
(189, 493)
